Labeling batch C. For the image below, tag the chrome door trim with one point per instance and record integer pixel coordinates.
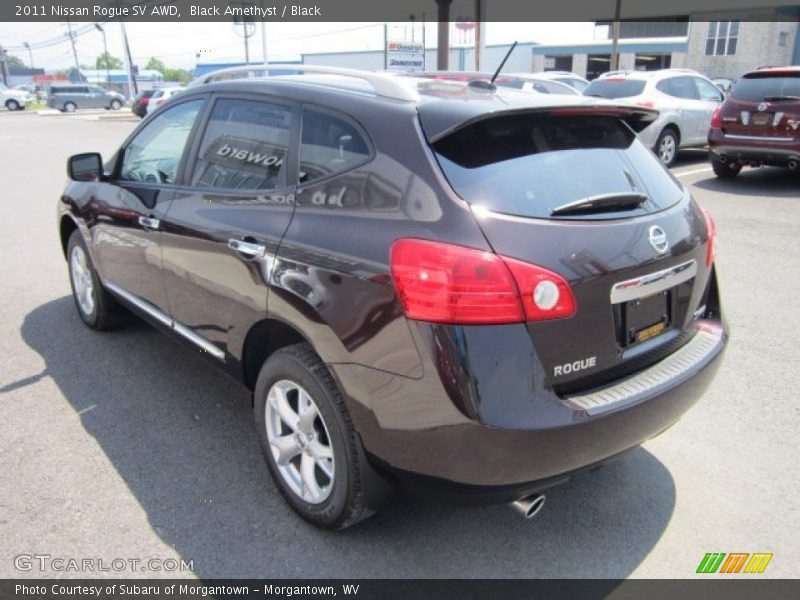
(142, 305)
(653, 283)
(198, 340)
(168, 321)
(757, 138)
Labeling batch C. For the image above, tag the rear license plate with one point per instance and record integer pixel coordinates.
(761, 118)
(647, 317)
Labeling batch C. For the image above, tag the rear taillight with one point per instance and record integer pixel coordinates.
(711, 247)
(716, 117)
(445, 283)
(646, 104)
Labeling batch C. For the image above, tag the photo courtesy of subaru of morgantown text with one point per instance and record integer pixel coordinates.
(452, 287)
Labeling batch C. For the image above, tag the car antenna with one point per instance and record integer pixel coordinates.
(489, 85)
(503, 64)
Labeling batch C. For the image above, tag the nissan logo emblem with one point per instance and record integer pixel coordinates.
(762, 106)
(658, 239)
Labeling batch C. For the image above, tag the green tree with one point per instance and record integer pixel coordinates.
(156, 65)
(106, 61)
(14, 62)
(181, 75)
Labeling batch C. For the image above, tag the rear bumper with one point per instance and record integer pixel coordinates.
(777, 151)
(416, 430)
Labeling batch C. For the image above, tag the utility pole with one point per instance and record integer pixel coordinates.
(105, 49)
(30, 53)
(263, 37)
(480, 32)
(71, 37)
(132, 89)
(615, 38)
(3, 71)
(443, 43)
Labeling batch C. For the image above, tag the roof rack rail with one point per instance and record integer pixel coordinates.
(386, 86)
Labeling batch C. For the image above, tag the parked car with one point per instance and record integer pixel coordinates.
(526, 82)
(685, 101)
(724, 84)
(14, 99)
(534, 82)
(139, 106)
(160, 96)
(759, 123)
(69, 98)
(411, 275)
(571, 79)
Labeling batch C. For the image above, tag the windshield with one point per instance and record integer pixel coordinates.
(578, 84)
(530, 164)
(614, 88)
(755, 88)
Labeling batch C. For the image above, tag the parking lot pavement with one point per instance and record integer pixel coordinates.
(125, 445)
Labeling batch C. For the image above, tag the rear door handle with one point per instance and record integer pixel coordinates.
(247, 248)
(149, 222)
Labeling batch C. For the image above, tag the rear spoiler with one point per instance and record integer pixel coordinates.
(637, 117)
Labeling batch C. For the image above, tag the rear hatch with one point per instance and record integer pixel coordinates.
(764, 104)
(572, 190)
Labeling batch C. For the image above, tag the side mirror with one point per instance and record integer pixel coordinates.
(85, 167)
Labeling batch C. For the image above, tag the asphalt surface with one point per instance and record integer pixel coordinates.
(126, 445)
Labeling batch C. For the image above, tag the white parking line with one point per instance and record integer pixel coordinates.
(693, 172)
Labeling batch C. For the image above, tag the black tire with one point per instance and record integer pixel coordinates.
(725, 170)
(105, 313)
(116, 105)
(12, 104)
(346, 502)
(666, 147)
(70, 107)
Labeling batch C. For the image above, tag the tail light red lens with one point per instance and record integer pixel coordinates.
(716, 117)
(646, 103)
(445, 283)
(711, 248)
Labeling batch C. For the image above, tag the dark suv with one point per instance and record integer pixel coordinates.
(466, 291)
(759, 123)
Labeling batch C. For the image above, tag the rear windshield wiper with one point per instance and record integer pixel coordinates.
(601, 203)
(779, 98)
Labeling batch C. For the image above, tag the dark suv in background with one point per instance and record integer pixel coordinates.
(759, 123)
(469, 291)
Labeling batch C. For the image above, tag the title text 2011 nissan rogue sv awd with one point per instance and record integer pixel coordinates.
(458, 289)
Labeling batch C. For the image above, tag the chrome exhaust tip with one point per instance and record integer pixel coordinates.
(529, 506)
(793, 164)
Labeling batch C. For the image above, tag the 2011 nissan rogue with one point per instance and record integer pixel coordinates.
(454, 288)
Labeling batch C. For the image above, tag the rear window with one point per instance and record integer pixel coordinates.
(527, 165)
(614, 88)
(756, 87)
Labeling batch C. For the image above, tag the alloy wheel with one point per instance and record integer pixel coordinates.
(82, 282)
(666, 149)
(299, 441)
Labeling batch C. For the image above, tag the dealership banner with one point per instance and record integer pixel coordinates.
(391, 589)
(389, 10)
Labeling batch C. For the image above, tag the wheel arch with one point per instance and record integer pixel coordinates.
(674, 127)
(65, 228)
(262, 340)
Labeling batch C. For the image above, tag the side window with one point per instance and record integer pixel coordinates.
(330, 144)
(682, 87)
(83, 90)
(708, 91)
(154, 154)
(245, 146)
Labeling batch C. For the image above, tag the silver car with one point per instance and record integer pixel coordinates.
(14, 99)
(69, 98)
(685, 100)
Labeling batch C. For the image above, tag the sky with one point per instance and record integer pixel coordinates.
(177, 44)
